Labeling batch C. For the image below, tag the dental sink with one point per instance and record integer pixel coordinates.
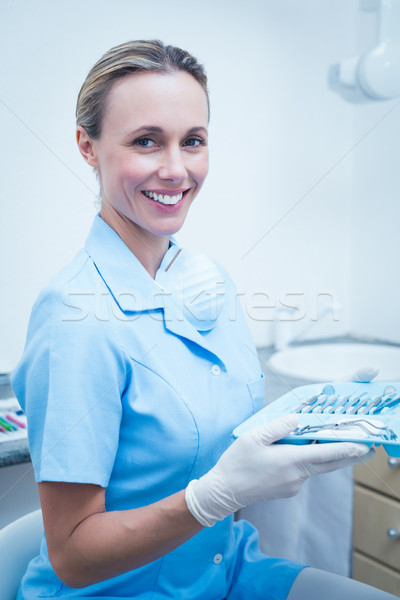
(330, 362)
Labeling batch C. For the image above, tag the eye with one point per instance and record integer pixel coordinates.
(144, 143)
(194, 142)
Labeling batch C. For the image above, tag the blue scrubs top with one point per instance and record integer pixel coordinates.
(120, 390)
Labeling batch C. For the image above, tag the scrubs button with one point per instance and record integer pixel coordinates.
(215, 370)
(217, 559)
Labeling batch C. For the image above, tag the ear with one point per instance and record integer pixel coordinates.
(86, 146)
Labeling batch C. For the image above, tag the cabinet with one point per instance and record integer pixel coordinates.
(376, 533)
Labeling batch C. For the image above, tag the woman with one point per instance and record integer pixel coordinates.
(138, 366)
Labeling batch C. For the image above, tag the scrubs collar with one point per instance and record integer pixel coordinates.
(133, 289)
(187, 283)
(130, 284)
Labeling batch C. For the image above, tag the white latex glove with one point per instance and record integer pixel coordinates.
(363, 375)
(254, 469)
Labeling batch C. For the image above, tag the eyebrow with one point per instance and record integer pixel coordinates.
(155, 129)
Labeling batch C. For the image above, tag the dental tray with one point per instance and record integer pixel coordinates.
(352, 412)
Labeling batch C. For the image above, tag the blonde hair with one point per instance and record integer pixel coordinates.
(132, 57)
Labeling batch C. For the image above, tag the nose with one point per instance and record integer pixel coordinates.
(172, 165)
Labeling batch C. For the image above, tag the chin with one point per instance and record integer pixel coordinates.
(167, 231)
(169, 228)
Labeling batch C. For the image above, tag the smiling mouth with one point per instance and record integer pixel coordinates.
(164, 198)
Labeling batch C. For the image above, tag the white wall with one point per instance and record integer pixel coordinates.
(279, 143)
(376, 217)
(375, 248)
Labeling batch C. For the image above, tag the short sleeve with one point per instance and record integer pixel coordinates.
(69, 382)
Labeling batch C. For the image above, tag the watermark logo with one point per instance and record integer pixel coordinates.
(203, 306)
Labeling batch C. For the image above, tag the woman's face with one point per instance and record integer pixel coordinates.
(152, 156)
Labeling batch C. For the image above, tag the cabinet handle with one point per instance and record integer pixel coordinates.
(393, 534)
(393, 462)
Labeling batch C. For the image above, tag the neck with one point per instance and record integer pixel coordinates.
(148, 248)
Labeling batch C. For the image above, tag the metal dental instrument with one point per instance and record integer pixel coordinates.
(356, 407)
(385, 432)
(388, 393)
(330, 401)
(323, 405)
(311, 401)
(387, 404)
(366, 409)
(315, 400)
(324, 398)
(350, 403)
(333, 408)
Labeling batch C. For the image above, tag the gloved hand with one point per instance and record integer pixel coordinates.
(363, 375)
(253, 469)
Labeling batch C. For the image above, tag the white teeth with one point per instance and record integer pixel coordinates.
(163, 198)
